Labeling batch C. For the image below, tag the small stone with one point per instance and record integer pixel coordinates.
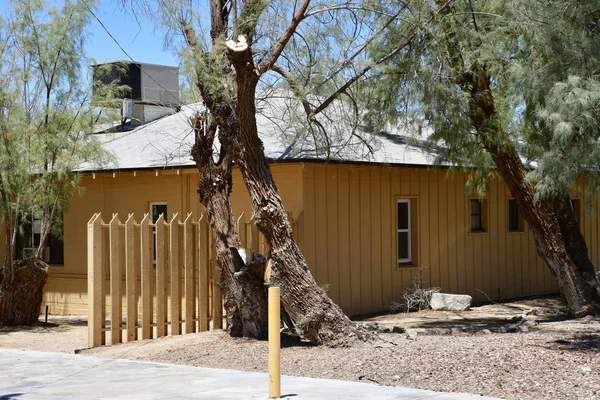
(528, 323)
(371, 326)
(523, 328)
(486, 331)
(586, 370)
(518, 318)
(455, 331)
(468, 329)
(536, 311)
(509, 328)
(396, 377)
(397, 329)
(385, 330)
(411, 334)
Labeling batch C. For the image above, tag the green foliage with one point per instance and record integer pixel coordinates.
(47, 115)
(108, 90)
(542, 60)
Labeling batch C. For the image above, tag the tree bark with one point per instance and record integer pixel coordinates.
(245, 296)
(232, 109)
(21, 296)
(315, 316)
(551, 220)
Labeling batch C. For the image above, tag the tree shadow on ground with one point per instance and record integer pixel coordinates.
(10, 396)
(59, 325)
(479, 323)
(578, 342)
(288, 340)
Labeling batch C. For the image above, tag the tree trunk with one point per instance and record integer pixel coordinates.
(21, 299)
(245, 295)
(315, 316)
(551, 220)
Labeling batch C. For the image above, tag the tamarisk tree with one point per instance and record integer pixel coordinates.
(46, 123)
(253, 45)
(511, 86)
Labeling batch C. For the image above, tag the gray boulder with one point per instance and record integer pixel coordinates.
(450, 302)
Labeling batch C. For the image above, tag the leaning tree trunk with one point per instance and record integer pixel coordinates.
(245, 295)
(315, 316)
(551, 220)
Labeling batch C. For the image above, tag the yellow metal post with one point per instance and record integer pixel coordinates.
(274, 344)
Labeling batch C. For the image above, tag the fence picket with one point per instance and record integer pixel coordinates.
(108, 245)
(96, 336)
(146, 260)
(188, 265)
(203, 263)
(175, 276)
(130, 279)
(161, 278)
(115, 281)
(253, 235)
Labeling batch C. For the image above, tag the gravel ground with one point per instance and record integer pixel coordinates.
(558, 361)
(60, 334)
(554, 360)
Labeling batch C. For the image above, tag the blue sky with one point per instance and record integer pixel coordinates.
(141, 42)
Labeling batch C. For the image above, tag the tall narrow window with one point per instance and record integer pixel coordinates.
(404, 231)
(156, 209)
(515, 220)
(478, 214)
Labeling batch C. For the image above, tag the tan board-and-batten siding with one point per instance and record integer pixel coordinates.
(352, 211)
(347, 230)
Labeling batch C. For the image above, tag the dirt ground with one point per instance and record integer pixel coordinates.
(556, 359)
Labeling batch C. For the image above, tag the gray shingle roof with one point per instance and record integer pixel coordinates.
(166, 142)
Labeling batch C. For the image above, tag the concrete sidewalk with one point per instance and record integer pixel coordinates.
(40, 375)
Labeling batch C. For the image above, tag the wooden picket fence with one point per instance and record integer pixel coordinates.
(147, 280)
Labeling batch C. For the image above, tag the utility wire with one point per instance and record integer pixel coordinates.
(123, 50)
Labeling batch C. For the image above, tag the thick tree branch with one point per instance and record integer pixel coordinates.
(299, 15)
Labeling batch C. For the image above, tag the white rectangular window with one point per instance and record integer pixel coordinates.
(156, 210)
(404, 231)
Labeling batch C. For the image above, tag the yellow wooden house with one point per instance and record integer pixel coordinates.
(373, 217)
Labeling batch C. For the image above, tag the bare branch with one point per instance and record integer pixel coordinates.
(299, 15)
(348, 60)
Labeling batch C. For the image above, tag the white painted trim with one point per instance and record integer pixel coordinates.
(156, 203)
(408, 230)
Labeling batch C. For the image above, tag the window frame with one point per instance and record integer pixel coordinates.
(520, 224)
(150, 205)
(483, 213)
(156, 203)
(408, 230)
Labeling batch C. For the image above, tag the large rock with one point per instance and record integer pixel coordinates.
(450, 302)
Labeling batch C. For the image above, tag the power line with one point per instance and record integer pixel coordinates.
(124, 51)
